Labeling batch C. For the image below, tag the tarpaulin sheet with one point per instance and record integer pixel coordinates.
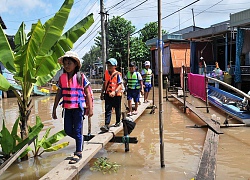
(196, 85)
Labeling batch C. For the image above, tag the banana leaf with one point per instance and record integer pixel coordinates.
(4, 84)
(33, 53)
(45, 136)
(6, 55)
(28, 149)
(15, 127)
(20, 37)
(25, 61)
(48, 65)
(56, 147)
(53, 139)
(7, 141)
(54, 28)
(35, 131)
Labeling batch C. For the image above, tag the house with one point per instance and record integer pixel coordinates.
(175, 54)
(226, 43)
(213, 44)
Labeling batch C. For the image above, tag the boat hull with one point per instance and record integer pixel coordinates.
(229, 103)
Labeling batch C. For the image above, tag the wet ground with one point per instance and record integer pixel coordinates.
(182, 145)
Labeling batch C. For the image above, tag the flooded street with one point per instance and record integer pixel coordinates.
(182, 145)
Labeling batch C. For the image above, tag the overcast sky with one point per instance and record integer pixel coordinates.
(206, 13)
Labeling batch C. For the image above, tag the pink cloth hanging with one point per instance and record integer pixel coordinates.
(196, 85)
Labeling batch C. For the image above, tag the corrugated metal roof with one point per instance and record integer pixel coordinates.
(211, 31)
(165, 38)
(241, 18)
(175, 36)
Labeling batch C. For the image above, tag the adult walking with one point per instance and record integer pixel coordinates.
(112, 93)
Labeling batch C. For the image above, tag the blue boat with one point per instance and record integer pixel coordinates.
(231, 104)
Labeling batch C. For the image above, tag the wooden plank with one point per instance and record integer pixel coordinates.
(67, 171)
(12, 159)
(221, 126)
(213, 126)
(97, 90)
(207, 165)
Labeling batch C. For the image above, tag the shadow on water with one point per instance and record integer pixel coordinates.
(182, 146)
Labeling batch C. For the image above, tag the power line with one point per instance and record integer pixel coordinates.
(198, 13)
(169, 15)
(91, 32)
(180, 9)
(80, 12)
(134, 8)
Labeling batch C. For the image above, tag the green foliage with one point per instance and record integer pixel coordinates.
(11, 142)
(34, 60)
(103, 165)
(149, 31)
(47, 143)
(91, 57)
(118, 31)
(139, 51)
(7, 141)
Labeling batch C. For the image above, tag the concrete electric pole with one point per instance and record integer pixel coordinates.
(103, 35)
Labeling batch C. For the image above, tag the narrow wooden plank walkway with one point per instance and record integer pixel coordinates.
(64, 170)
(207, 165)
(212, 125)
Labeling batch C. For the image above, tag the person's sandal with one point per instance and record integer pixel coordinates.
(134, 112)
(117, 124)
(104, 128)
(76, 158)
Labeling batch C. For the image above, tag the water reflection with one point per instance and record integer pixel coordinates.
(183, 146)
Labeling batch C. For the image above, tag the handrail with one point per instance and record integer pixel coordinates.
(230, 87)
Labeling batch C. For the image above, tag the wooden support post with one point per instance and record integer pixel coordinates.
(125, 132)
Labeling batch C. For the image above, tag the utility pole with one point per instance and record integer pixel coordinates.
(193, 19)
(128, 39)
(160, 86)
(103, 35)
(106, 33)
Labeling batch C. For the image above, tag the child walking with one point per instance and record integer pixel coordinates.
(111, 93)
(133, 81)
(75, 90)
(146, 75)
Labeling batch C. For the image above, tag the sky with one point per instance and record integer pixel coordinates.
(139, 12)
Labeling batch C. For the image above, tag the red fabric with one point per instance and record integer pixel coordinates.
(196, 85)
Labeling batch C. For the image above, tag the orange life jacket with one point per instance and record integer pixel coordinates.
(111, 82)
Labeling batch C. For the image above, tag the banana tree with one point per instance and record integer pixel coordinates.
(11, 142)
(34, 59)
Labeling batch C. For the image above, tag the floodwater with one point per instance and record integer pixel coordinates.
(182, 145)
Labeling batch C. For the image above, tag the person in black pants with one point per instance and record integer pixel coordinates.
(111, 93)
